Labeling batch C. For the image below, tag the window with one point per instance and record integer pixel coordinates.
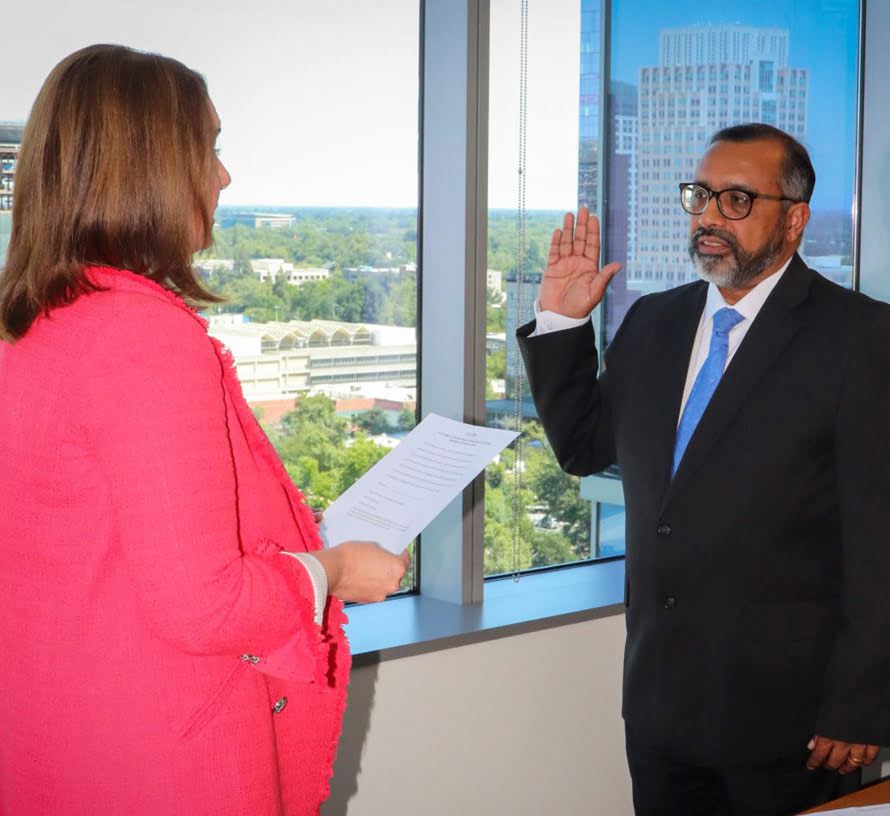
(596, 134)
(535, 514)
(791, 46)
(315, 239)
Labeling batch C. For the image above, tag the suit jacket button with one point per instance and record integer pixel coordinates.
(279, 706)
(670, 603)
(663, 529)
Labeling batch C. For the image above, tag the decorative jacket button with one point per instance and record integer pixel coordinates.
(279, 706)
(663, 529)
(670, 603)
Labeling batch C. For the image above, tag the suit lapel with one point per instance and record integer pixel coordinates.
(772, 330)
(673, 339)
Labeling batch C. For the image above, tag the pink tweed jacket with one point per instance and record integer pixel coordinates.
(159, 652)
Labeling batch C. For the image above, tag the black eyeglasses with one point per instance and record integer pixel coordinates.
(733, 204)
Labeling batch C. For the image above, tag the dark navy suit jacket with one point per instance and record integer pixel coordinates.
(758, 578)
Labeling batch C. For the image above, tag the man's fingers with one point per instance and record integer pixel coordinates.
(553, 254)
(838, 756)
(820, 751)
(580, 242)
(598, 285)
(855, 759)
(860, 756)
(592, 247)
(568, 229)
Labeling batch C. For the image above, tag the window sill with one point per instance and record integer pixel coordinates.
(402, 627)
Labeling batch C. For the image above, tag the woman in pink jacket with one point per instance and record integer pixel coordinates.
(168, 644)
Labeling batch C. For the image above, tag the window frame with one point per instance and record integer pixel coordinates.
(454, 603)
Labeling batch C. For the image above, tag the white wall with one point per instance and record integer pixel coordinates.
(517, 726)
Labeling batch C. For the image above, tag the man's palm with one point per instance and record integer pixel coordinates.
(573, 284)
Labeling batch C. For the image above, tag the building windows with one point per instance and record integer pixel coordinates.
(707, 76)
(768, 85)
(315, 240)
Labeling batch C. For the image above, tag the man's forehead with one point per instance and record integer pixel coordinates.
(748, 164)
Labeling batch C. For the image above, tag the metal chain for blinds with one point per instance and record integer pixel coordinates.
(519, 369)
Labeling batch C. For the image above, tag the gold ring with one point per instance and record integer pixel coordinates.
(854, 760)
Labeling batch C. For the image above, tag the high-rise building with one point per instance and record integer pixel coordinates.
(589, 107)
(722, 44)
(620, 219)
(709, 77)
(10, 141)
(518, 314)
(622, 136)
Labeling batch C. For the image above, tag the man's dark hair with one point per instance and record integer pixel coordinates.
(798, 176)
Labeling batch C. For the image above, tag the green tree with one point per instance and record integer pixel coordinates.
(311, 430)
(319, 487)
(242, 265)
(495, 313)
(358, 458)
(502, 531)
(312, 443)
(495, 369)
(549, 548)
(407, 419)
(373, 421)
(557, 491)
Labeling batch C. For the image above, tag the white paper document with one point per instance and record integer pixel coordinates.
(413, 483)
(867, 810)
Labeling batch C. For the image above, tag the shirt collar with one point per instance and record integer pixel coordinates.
(750, 305)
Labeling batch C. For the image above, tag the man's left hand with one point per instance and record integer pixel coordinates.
(844, 757)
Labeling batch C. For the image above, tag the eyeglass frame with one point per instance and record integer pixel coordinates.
(717, 193)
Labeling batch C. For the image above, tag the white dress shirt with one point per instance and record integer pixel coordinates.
(748, 307)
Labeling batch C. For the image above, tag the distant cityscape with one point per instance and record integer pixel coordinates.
(10, 140)
(706, 77)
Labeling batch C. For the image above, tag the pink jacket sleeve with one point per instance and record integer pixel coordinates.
(154, 407)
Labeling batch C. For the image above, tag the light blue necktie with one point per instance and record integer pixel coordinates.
(706, 382)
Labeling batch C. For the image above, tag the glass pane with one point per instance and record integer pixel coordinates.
(535, 514)
(677, 77)
(315, 239)
(10, 140)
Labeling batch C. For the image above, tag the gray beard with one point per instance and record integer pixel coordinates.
(738, 268)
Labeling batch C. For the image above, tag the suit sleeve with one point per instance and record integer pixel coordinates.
(157, 417)
(572, 398)
(856, 699)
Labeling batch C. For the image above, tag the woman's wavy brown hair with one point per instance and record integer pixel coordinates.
(114, 169)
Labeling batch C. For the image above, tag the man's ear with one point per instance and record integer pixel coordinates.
(796, 219)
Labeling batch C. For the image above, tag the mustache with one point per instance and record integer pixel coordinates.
(709, 232)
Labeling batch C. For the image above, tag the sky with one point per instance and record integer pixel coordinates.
(319, 100)
(824, 40)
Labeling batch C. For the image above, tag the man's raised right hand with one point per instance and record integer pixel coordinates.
(573, 283)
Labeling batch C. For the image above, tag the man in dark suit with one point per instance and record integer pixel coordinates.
(749, 414)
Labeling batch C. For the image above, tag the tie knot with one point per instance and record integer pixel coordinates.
(725, 319)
